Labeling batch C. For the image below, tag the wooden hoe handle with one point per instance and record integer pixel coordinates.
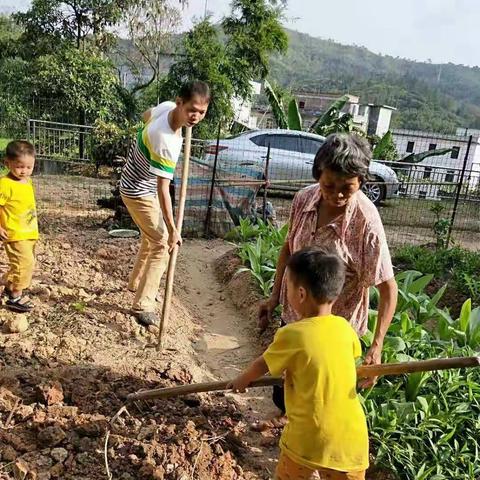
(363, 371)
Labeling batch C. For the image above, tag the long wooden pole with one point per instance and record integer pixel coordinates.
(363, 371)
(167, 300)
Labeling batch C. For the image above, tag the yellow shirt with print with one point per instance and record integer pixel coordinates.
(326, 424)
(18, 213)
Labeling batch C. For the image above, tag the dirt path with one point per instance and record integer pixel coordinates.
(228, 341)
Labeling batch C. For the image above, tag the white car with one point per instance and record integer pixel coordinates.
(291, 160)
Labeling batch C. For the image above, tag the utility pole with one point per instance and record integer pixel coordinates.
(206, 5)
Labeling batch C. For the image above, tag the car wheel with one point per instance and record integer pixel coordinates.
(374, 191)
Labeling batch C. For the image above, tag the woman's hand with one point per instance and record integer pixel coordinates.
(265, 312)
(373, 357)
(388, 291)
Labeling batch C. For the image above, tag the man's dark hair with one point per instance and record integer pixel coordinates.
(320, 272)
(195, 88)
(343, 153)
(19, 148)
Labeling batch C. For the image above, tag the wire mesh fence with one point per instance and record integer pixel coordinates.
(431, 192)
(256, 175)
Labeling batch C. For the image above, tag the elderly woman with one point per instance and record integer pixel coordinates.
(335, 214)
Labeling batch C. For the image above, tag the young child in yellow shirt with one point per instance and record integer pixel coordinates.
(18, 223)
(326, 432)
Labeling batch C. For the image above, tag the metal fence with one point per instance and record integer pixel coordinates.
(435, 193)
(67, 182)
(60, 141)
(257, 174)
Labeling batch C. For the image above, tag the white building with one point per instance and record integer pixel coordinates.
(378, 118)
(372, 119)
(243, 108)
(435, 176)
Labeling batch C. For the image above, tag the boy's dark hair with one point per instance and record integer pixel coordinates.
(17, 149)
(195, 88)
(321, 273)
(343, 153)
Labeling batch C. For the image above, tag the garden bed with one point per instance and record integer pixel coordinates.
(65, 378)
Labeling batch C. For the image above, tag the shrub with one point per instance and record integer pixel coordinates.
(110, 141)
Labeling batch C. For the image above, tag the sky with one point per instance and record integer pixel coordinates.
(437, 30)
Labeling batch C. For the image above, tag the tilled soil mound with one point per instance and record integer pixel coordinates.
(64, 381)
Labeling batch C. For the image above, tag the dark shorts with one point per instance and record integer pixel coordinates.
(278, 395)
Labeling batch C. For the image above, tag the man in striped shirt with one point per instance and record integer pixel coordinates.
(144, 186)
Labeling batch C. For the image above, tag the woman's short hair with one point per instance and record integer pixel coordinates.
(344, 153)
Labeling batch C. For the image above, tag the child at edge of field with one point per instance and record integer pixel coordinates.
(326, 433)
(18, 223)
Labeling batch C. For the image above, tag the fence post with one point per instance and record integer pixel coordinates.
(459, 190)
(265, 187)
(206, 228)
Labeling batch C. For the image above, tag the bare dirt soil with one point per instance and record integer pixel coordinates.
(64, 379)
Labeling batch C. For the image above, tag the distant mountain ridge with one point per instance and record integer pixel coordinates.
(428, 96)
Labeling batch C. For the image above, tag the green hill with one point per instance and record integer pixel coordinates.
(428, 96)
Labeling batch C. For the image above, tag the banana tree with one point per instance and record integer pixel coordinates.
(289, 117)
(385, 148)
(286, 118)
(418, 157)
(331, 121)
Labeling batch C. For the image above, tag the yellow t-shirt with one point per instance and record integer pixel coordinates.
(326, 424)
(18, 213)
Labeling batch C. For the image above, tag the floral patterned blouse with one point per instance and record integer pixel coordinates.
(357, 236)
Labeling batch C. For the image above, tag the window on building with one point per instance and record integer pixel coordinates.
(427, 172)
(422, 194)
(455, 152)
(432, 146)
(450, 176)
(410, 147)
(301, 104)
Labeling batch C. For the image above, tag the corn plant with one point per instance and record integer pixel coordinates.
(423, 426)
(426, 425)
(260, 257)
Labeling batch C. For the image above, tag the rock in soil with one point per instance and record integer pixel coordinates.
(16, 323)
(59, 454)
(51, 436)
(50, 394)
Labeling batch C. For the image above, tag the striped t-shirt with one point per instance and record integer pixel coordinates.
(154, 154)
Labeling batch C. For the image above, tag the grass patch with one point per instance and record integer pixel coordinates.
(3, 143)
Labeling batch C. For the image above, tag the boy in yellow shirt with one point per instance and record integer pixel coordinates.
(326, 433)
(18, 223)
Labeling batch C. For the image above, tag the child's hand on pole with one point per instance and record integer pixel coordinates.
(240, 384)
